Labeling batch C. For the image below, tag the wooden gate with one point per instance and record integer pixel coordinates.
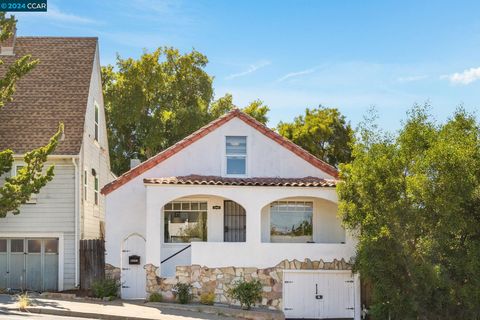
(92, 262)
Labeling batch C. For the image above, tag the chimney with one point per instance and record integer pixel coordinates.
(134, 162)
(7, 45)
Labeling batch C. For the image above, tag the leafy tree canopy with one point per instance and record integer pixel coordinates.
(16, 190)
(324, 132)
(414, 198)
(155, 101)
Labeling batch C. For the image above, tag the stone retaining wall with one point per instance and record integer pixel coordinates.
(112, 272)
(219, 280)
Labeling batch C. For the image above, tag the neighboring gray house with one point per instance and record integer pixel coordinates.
(39, 247)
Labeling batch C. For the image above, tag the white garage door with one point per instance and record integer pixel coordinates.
(318, 294)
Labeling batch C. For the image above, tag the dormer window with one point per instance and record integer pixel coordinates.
(96, 122)
(236, 155)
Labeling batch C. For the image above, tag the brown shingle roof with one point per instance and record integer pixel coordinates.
(56, 90)
(203, 131)
(261, 182)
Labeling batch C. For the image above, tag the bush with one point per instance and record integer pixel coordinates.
(107, 287)
(23, 301)
(246, 292)
(183, 291)
(155, 297)
(207, 298)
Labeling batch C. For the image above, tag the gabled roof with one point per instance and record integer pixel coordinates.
(55, 91)
(251, 182)
(200, 133)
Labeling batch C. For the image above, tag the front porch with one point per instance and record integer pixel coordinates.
(194, 225)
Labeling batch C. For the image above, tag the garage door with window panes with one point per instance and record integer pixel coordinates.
(29, 264)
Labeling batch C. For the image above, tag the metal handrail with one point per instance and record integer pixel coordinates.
(173, 255)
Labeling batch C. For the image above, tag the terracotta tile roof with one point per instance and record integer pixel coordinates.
(56, 90)
(260, 182)
(200, 133)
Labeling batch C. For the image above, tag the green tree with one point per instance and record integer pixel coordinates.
(414, 200)
(256, 109)
(155, 101)
(324, 132)
(31, 178)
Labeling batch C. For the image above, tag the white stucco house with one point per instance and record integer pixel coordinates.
(39, 247)
(234, 200)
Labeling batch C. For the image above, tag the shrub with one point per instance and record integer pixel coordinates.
(23, 301)
(207, 298)
(107, 287)
(155, 297)
(183, 291)
(246, 292)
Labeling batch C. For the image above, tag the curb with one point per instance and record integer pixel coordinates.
(221, 310)
(68, 313)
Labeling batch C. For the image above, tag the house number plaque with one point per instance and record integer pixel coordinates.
(216, 207)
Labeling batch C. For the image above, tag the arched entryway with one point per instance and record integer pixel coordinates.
(133, 274)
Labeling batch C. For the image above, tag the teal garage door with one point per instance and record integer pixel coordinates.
(29, 264)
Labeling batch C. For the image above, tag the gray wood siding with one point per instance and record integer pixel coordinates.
(94, 156)
(53, 212)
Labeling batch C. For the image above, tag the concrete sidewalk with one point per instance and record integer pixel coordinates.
(122, 310)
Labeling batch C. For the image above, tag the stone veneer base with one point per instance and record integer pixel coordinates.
(219, 280)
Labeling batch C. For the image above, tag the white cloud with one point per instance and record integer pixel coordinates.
(296, 74)
(412, 78)
(465, 77)
(54, 14)
(252, 68)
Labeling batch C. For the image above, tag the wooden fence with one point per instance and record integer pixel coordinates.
(92, 262)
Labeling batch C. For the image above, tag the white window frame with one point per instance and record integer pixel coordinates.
(33, 196)
(235, 155)
(167, 211)
(96, 121)
(96, 188)
(299, 200)
(85, 184)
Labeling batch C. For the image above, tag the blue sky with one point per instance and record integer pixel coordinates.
(296, 54)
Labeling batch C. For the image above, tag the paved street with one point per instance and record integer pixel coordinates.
(13, 315)
(118, 308)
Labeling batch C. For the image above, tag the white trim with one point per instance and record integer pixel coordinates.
(77, 223)
(61, 248)
(134, 234)
(96, 122)
(224, 154)
(85, 185)
(96, 190)
(317, 270)
(52, 156)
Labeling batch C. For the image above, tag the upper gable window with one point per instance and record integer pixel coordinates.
(96, 122)
(236, 154)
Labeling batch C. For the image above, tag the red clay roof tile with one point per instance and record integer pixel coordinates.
(262, 182)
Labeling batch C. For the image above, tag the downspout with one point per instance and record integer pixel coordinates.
(77, 262)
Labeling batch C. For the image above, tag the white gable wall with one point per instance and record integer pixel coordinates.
(125, 206)
(265, 157)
